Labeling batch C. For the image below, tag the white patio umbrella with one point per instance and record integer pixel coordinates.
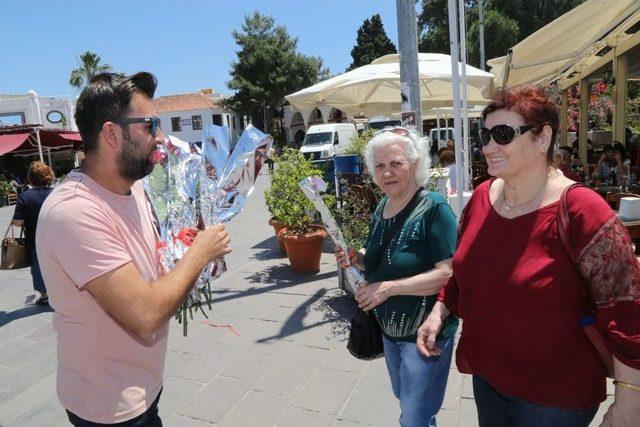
(374, 89)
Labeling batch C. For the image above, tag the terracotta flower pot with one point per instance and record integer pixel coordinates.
(304, 250)
(277, 226)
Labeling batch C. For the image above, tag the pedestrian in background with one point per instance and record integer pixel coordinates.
(39, 177)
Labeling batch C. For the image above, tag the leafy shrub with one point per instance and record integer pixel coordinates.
(285, 200)
(5, 187)
(357, 144)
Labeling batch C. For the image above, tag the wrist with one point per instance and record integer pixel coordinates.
(440, 310)
(390, 287)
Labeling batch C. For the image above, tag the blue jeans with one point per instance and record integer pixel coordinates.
(36, 275)
(496, 410)
(418, 382)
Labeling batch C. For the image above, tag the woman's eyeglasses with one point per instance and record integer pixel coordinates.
(154, 121)
(502, 134)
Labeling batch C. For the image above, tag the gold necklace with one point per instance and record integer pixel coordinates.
(552, 172)
(519, 207)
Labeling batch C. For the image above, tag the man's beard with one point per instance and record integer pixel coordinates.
(133, 164)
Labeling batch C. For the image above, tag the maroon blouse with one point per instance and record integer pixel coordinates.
(521, 299)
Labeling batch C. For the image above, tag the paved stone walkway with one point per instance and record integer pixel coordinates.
(287, 365)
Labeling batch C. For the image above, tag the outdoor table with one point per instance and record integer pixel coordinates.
(605, 189)
(633, 227)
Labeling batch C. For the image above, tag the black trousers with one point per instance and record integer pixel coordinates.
(149, 418)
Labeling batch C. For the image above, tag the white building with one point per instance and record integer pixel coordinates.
(56, 113)
(186, 115)
(296, 123)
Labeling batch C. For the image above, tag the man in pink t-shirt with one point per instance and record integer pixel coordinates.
(96, 244)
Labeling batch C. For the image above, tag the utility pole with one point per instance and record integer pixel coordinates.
(481, 28)
(409, 70)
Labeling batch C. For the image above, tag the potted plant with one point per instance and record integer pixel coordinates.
(287, 204)
(5, 188)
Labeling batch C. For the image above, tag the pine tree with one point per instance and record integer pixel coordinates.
(372, 42)
(267, 68)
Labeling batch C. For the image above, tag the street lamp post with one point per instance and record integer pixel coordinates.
(263, 104)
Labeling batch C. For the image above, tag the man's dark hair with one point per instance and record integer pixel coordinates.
(107, 98)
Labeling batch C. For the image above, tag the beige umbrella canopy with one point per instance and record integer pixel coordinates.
(374, 89)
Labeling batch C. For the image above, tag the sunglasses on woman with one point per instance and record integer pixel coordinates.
(398, 130)
(502, 134)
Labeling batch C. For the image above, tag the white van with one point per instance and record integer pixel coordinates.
(324, 141)
(381, 122)
(446, 134)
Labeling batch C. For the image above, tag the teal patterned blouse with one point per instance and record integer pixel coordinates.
(427, 237)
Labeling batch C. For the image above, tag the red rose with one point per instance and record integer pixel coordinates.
(186, 235)
(158, 157)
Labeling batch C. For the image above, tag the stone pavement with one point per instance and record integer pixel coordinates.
(287, 365)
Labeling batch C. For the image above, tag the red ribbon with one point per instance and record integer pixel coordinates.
(217, 325)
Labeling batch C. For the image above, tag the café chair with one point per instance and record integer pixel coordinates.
(614, 199)
(12, 198)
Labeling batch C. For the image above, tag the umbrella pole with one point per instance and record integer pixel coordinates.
(453, 44)
(437, 141)
(465, 106)
(39, 145)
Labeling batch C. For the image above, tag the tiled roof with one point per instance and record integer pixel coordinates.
(184, 102)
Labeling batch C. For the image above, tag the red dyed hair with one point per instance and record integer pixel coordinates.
(533, 105)
(39, 174)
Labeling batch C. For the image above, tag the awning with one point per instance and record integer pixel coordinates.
(545, 54)
(12, 141)
(71, 136)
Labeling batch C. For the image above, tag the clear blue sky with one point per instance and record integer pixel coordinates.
(186, 43)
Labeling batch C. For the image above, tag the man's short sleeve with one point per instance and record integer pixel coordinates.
(84, 240)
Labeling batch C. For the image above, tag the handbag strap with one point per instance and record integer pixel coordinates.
(564, 222)
(400, 220)
(6, 233)
(564, 225)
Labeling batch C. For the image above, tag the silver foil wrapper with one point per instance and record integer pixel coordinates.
(312, 186)
(171, 188)
(190, 188)
(225, 194)
(229, 178)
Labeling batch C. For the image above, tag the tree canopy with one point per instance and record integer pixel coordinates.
(267, 68)
(501, 32)
(88, 66)
(372, 42)
(507, 22)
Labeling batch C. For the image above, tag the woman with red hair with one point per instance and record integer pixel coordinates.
(522, 296)
(39, 177)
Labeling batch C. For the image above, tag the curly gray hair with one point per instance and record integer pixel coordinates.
(415, 149)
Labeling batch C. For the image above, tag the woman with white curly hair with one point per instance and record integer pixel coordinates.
(406, 261)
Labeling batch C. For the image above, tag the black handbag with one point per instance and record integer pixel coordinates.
(365, 337)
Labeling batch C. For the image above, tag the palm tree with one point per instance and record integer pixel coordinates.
(89, 66)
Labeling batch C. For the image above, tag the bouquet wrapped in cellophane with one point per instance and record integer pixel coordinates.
(312, 186)
(193, 188)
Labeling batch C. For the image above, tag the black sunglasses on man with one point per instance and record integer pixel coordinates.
(154, 121)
